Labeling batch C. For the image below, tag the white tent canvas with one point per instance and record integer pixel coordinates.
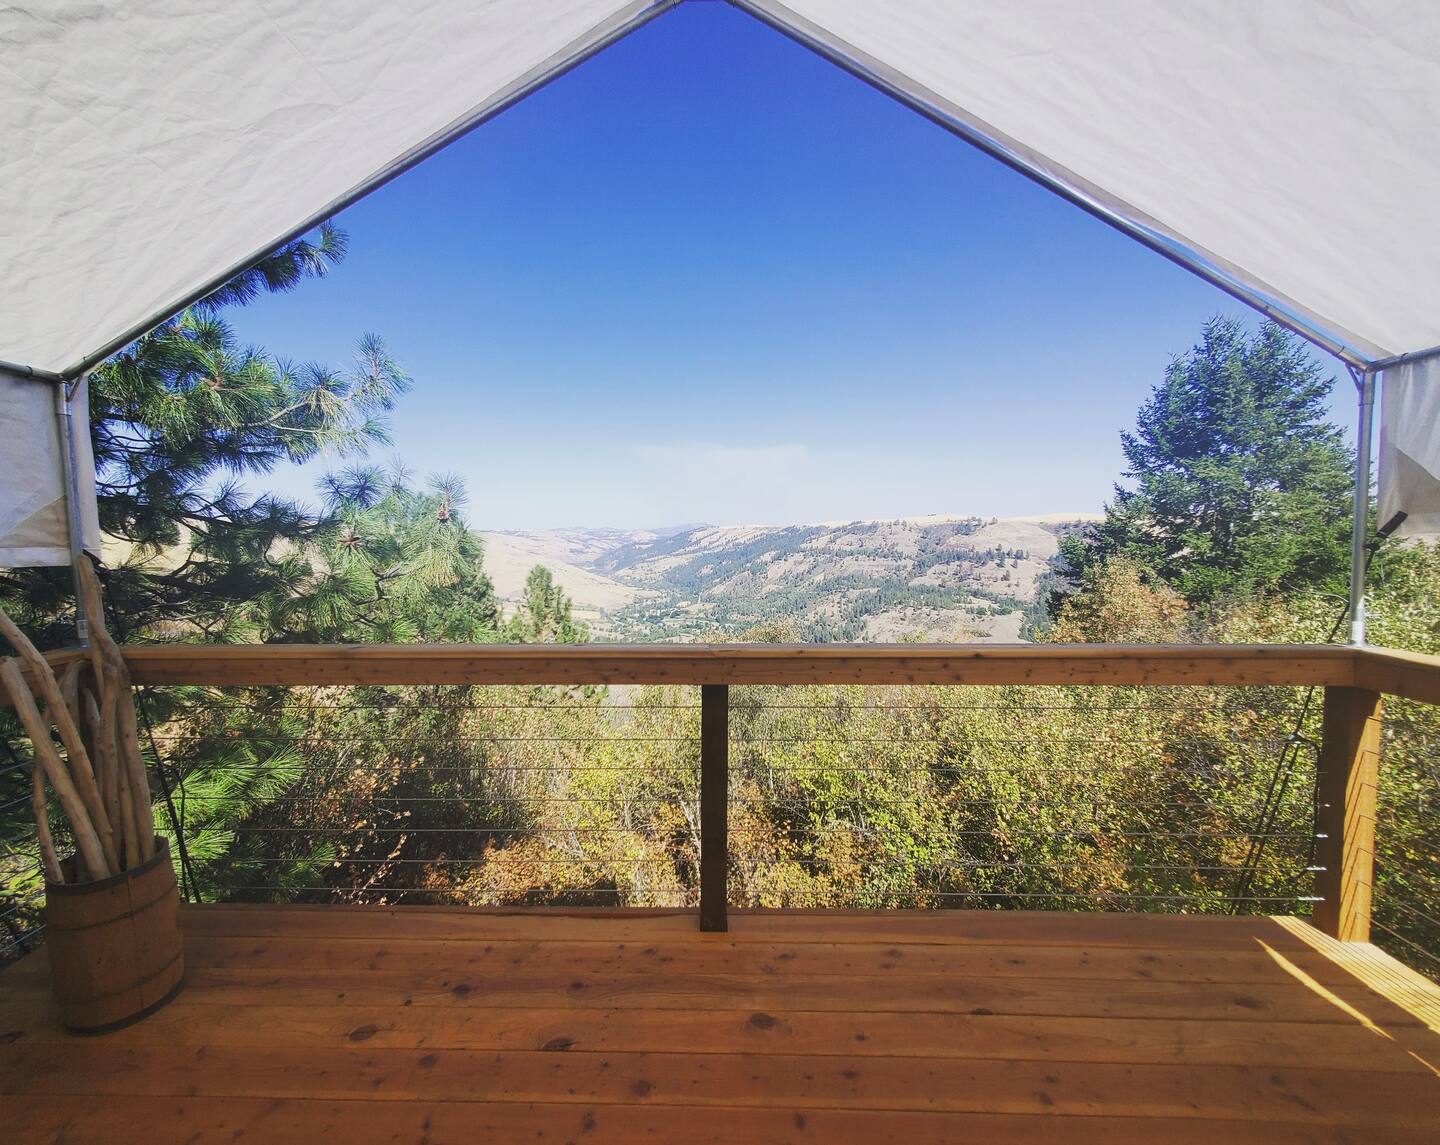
(1292, 144)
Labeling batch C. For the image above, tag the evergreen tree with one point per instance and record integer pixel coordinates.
(543, 616)
(1241, 485)
(178, 418)
(391, 564)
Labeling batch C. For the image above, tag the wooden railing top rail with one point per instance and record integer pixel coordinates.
(745, 664)
(1408, 674)
(1412, 675)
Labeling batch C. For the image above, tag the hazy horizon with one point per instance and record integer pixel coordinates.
(689, 526)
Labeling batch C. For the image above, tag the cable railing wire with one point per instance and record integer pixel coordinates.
(375, 775)
(822, 715)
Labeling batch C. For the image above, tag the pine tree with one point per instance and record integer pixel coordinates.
(544, 615)
(178, 419)
(1240, 484)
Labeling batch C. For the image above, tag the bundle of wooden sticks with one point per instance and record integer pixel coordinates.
(99, 780)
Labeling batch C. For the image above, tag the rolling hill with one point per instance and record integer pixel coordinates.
(927, 578)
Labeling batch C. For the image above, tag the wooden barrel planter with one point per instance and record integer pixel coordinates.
(114, 944)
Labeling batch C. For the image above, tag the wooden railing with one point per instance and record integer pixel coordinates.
(1354, 681)
(699, 664)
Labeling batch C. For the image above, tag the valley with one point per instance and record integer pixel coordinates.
(927, 578)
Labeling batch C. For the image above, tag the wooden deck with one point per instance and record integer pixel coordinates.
(432, 1026)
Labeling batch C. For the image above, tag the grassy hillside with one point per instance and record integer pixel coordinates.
(931, 578)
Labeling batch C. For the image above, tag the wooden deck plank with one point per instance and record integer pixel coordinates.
(440, 958)
(48, 1120)
(1064, 1089)
(432, 964)
(861, 1033)
(1374, 968)
(435, 1025)
(927, 993)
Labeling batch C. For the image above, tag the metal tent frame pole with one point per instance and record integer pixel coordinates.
(635, 15)
(1359, 530)
(23, 371)
(790, 24)
(70, 476)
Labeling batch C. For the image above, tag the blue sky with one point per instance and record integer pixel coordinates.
(709, 277)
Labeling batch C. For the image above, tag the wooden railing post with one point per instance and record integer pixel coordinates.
(1347, 781)
(714, 805)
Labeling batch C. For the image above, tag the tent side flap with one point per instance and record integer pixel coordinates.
(1410, 447)
(34, 522)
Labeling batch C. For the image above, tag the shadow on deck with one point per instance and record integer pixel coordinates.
(436, 1026)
